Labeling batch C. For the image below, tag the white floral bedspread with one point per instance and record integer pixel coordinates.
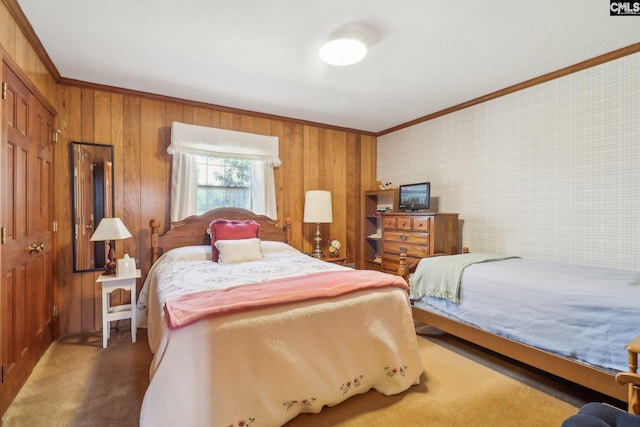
(266, 366)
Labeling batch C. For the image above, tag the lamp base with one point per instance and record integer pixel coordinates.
(317, 251)
(110, 269)
(110, 265)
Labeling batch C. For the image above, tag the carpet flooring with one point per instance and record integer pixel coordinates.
(78, 383)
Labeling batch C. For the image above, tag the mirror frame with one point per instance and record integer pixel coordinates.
(76, 222)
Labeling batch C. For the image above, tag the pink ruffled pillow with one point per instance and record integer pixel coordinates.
(231, 229)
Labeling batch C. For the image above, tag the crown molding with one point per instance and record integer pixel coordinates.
(631, 49)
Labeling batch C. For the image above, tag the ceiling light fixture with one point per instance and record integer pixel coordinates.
(343, 51)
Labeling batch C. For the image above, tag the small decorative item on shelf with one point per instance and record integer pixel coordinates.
(334, 248)
(379, 212)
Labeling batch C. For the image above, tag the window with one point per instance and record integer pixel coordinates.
(223, 182)
(214, 168)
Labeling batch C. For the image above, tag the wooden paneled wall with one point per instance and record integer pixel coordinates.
(16, 45)
(313, 157)
(138, 126)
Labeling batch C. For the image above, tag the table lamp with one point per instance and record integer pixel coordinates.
(108, 230)
(317, 209)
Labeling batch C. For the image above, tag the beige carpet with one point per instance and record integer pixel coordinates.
(77, 383)
(454, 391)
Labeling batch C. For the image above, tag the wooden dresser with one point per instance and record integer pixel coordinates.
(419, 235)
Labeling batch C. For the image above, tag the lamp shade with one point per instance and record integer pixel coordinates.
(110, 229)
(317, 206)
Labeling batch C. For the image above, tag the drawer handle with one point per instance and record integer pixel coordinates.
(403, 250)
(403, 237)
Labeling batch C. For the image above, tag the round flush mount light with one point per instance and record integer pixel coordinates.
(343, 51)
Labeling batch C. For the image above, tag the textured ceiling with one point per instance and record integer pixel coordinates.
(424, 55)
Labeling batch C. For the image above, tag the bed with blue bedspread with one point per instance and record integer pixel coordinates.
(568, 319)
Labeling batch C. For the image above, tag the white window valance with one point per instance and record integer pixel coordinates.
(193, 139)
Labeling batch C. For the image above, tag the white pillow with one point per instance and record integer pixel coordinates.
(188, 253)
(271, 247)
(235, 251)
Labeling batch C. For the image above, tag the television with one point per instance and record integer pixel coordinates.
(414, 197)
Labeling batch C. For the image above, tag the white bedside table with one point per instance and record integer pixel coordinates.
(118, 312)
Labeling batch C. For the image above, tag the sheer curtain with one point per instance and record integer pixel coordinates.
(263, 188)
(188, 141)
(184, 186)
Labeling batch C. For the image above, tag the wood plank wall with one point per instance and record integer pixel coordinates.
(138, 126)
(16, 45)
(313, 157)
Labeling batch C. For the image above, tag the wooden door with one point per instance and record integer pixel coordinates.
(41, 226)
(26, 241)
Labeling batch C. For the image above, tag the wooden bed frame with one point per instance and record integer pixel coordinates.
(194, 230)
(568, 369)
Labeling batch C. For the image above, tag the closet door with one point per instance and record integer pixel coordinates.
(40, 183)
(26, 221)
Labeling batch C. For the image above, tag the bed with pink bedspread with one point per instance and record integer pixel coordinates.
(267, 332)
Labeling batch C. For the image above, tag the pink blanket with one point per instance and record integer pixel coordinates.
(182, 310)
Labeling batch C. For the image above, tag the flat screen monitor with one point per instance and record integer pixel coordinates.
(414, 197)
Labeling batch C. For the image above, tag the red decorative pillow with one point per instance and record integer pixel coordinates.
(231, 229)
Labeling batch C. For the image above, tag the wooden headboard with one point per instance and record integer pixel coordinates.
(192, 231)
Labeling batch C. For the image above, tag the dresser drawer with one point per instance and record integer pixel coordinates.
(421, 224)
(406, 223)
(389, 223)
(416, 251)
(408, 238)
(391, 263)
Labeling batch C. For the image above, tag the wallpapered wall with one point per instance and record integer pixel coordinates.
(549, 172)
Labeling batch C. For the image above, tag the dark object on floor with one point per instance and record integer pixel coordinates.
(602, 415)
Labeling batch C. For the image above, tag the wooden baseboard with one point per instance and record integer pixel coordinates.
(584, 375)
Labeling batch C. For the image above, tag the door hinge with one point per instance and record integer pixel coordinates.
(3, 236)
(4, 373)
(56, 133)
(4, 90)
(55, 226)
(55, 311)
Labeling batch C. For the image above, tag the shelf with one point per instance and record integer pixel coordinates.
(374, 201)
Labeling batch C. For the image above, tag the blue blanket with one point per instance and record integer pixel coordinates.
(440, 276)
(583, 312)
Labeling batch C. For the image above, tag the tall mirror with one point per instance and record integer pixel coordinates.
(92, 200)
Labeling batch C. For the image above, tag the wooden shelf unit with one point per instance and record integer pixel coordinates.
(372, 224)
